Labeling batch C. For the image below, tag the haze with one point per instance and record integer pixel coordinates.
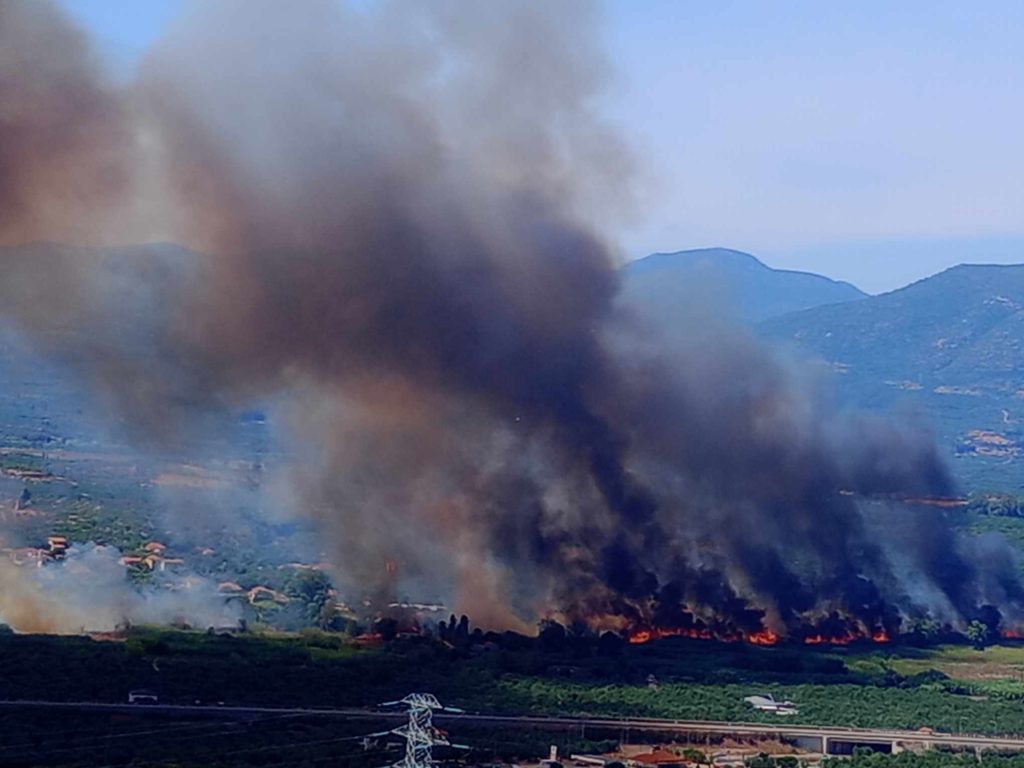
(873, 143)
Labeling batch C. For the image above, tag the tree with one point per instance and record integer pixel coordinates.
(977, 633)
(313, 590)
(551, 636)
(387, 628)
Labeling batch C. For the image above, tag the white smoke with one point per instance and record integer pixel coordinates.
(89, 590)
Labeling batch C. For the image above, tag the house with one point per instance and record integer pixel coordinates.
(152, 561)
(182, 583)
(263, 594)
(230, 588)
(58, 546)
(30, 556)
(661, 758)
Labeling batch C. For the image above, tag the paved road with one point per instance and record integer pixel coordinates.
(789, 730)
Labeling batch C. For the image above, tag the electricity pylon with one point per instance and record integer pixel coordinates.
(419, 733)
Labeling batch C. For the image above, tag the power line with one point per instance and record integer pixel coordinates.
(100, 740)
(272, 747)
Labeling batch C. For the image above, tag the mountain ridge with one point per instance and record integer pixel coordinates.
(655, 261)
(659, 286)
(949, 347)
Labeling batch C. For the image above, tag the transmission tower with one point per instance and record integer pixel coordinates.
(419, 733)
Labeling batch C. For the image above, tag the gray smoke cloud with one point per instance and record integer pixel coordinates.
(89, 590)
(405, 215)
(64, 131)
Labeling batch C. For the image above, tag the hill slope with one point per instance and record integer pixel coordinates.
(659, 286)
(960, 327)
(951, 345)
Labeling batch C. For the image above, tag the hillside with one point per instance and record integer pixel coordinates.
(660, 286)
(960, 327)
(951, 345)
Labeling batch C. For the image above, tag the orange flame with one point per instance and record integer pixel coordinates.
(640, 636)
(646, 635)
(877, 636)
(764, 637)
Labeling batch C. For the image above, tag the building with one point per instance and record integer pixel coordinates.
(659, 758)
(767, 703)
(57, 545)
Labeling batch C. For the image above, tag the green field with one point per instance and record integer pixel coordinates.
(948, 688)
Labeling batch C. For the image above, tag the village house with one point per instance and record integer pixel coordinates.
(58, 546)
(30, 556)
(262, 594)
(230, 588)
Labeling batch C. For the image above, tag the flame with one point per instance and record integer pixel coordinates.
(369, 638)
(646, 635)
(1011, 634)
(877, 636)
(764, 637)
(640, 636)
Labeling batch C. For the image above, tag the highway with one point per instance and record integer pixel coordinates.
(781, 729)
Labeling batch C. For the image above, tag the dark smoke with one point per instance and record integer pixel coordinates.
(63, 136)
(405, 210)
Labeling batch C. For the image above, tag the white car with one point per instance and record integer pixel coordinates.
(142, 697)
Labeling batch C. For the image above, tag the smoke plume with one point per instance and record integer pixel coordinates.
(405, 214)
(89, 591)
(63, 132)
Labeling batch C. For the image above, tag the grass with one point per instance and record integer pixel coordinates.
(948, 688)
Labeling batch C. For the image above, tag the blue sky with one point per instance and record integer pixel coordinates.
(875, 142)
(123, 28)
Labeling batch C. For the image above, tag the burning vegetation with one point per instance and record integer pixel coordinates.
(403, 222)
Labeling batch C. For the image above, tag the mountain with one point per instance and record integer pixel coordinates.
(962, 327)
(950, 346)
(660, 286)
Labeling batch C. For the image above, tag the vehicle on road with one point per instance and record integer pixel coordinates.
(142, 697)
(767, 703)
